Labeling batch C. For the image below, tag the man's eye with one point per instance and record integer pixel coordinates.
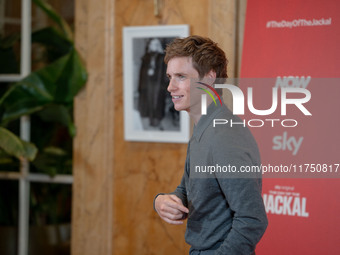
(181, 77)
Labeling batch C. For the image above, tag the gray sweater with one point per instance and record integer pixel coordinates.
(226, 210)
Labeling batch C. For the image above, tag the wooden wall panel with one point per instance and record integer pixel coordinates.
(221, 20)
(94, 144)
(143, 169)
(115, 180)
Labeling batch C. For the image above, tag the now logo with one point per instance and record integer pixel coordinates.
(292, 81)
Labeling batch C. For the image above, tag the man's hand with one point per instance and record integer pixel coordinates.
(171, 209)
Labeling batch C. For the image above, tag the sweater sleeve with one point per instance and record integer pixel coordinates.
(180, 191)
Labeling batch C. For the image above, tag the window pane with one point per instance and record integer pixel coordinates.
(8, 217)
(10, 28)
(12, 17)
(50, 219)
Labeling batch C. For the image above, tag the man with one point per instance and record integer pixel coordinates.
(225, 212)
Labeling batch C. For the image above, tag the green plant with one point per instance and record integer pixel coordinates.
(46, 95)
(48, 91)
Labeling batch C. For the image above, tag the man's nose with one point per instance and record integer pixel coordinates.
(172, 85)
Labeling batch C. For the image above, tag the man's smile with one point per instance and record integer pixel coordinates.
(176, 97)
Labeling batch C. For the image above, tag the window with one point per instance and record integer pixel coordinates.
(21, 181)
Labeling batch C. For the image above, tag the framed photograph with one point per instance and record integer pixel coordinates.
(149, 114)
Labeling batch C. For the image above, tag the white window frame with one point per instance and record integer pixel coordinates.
(24, 177)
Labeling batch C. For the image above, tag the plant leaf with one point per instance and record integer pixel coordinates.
(55, 17)
(60, 114)
(71, 80)
(53, 160)
(14, 146)
(56, 83)
(25, 97)
(56, 44)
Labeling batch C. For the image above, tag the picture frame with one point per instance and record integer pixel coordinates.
(149, 114)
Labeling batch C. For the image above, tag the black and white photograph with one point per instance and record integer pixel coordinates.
(149, 114)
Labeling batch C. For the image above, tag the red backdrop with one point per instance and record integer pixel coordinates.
(300, 39)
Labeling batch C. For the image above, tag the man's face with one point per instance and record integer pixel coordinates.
(180, 72)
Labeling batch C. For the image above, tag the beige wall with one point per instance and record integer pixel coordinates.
(114, 180)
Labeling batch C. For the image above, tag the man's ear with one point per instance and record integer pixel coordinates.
(210, 77)
(211, 74)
